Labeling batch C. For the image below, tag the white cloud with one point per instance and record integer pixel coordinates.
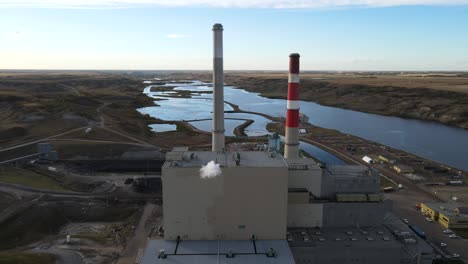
(295, 4)
(177, 36)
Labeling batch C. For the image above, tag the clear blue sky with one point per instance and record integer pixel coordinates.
(158, 36)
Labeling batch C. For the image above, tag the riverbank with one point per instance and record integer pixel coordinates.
(441, 98)
(443, 106)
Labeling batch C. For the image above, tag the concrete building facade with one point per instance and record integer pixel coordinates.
(248, 197)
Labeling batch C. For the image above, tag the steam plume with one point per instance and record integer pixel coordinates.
(210, 170)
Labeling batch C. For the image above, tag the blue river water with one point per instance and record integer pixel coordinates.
(445, 144)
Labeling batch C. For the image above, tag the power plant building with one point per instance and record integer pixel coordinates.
(258, 207)
(248, 197)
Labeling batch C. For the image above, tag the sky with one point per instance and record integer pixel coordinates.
(343, 35)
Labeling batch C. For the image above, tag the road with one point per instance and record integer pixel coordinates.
(70, 87)
(138, 242)
(62, 256)
(101, 124)
(40, 140)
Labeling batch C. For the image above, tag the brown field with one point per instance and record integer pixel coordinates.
(39, 104)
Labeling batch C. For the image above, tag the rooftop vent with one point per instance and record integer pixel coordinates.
(237, 158)
(349, 232)
(162, 254)
(271, 253)
(370, 239)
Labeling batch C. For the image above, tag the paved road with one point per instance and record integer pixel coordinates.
(138, 242)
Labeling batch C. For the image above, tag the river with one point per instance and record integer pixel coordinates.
(434, 141)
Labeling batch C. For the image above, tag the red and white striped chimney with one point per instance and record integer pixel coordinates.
(291, 148)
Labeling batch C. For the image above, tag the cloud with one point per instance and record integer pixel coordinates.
(210, 170)
(177, 36)
(292, 4)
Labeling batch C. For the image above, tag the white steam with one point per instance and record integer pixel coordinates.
(210, 170)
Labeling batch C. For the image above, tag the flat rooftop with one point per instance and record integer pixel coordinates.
(392, 222)
(367, 237)
(217, 251)
(225, 159)
(349, 170)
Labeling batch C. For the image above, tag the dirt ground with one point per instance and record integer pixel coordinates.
(447, 192)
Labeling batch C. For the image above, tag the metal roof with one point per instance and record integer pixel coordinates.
(216, 251)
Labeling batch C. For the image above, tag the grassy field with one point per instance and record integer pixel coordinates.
(462, 233)
(447, 261)
(5, 201)
(37, 104)
(26, 258)
(29, 178)
(385, 182)
(47, 219)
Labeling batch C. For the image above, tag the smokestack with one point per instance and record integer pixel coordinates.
(291, 148)
(218, 92)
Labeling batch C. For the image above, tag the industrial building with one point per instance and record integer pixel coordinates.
(249, 197)
(450, 215)
(258, 207)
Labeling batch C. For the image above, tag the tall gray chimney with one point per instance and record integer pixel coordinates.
(218, 89)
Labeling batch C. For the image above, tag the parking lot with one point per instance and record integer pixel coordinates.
(404, 205)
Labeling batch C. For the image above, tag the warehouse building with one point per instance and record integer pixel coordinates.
(450, 215)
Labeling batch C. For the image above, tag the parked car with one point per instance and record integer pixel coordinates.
(405, 221)
(448, 231)
(442, 244)
(455, 255)
(453, 236)
(429, 220)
